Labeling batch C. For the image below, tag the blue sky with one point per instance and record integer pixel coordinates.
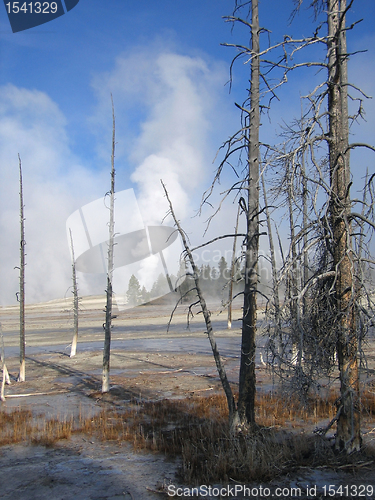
(163, 62)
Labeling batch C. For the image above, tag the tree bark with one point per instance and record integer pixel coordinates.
(108, 307)
(348, 436)
(247, 380)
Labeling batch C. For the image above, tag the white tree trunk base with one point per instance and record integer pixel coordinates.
(73, 350)
(22, 374)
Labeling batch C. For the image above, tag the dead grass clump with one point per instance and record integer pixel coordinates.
(274, 410)
(107, 425)
(213, 455)
(15, 426)
(20, 425)
(51, 431)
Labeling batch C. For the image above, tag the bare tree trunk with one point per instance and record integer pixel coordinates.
(75, 300)
(305, 273)
(348, 436)
(275, 285)
(22, 373)
(108, 308)
(247, 381)
(292, 274)
(232, 268)
(2, 390)
(207, 318)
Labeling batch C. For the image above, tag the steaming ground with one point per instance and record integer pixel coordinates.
(148, 362)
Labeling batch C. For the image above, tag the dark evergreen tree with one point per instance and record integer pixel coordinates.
(145, 295)
(160, 287)
(134, 293)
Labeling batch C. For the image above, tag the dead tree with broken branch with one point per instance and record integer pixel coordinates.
(109, 292)
(242, 152)
(21, 296)
(233, 414)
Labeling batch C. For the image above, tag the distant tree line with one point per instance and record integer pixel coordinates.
(214, 281)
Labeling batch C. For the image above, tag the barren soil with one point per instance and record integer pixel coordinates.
(147, 362)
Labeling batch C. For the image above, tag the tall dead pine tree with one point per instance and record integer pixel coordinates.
(108, 307)
(21, 298)
(348, 435)
(247, 381)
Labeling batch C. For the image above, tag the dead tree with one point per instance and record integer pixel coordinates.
(73, 349)
(109, 291)
(348, 425)
(21, 298)
(247, 382)
(233, 413)
(244, 145)
(292, 279)
(232, 271)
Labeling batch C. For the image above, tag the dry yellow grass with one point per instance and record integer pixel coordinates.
(196, 429)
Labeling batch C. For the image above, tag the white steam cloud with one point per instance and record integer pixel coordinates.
(32, 125)
(179, 98)
(169, 110)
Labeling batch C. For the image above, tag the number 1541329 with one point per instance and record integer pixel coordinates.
(32, 7)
